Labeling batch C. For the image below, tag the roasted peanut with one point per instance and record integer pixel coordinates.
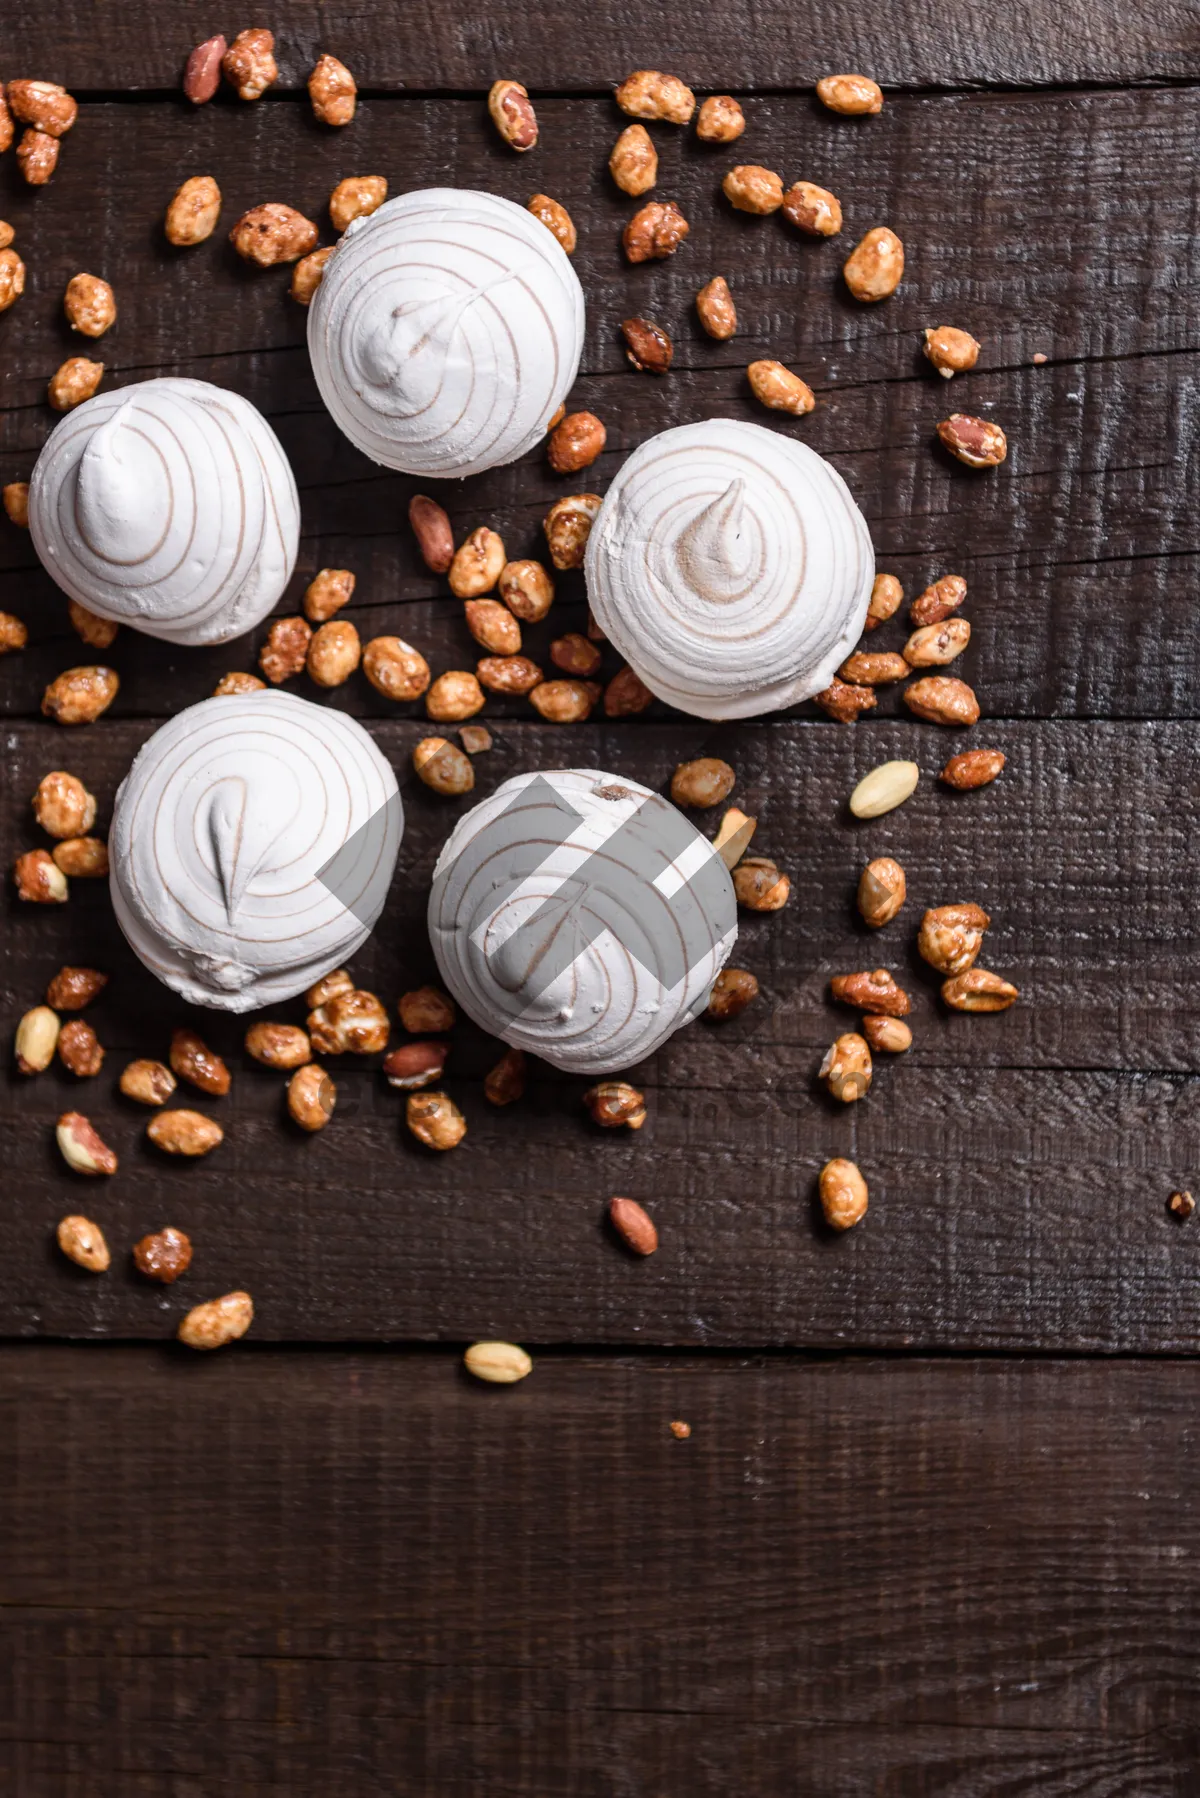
(194, 1061)
(475, 738)
(97, 632)
(939, 600)
(443, 767)
(498, 1363)
(812, 209)
(202, 74)
(220, 1321)
(976, 441)
(163, 1256)
(846, 1069)
(633, 163)
(63, 806)
(556, 219)
(16, 500)
(13, 634)
(453, 697)
(873, 668)
(333, 92)
(505, 1083)
(575, 442)
(875, 991)
(37, 156)
(568, 525)
(934, 645)
(334, 653)
(885, 600)
(575, 655)
(626, 694)
(563, 701)
(90, 305)
(649, 94)
(975, 768)
(734, 836)
(230, 685)
(477, 564)
(759, 885)
(82, 858)
(184, 1132)
(978, 990)
(42, 104)
(435, 1120)
(655, 230)
(951, 351)
(38, 880)
(941, 699)
(6, 134)
(844, 702)
(426, 1011)
(249, 63)
(732, 991)
(882, 890)
(647, 345)
(512, 114)
(843, 1193)
(395, 669)
(614, 1103)
(414, 1065)
(526, 590)
(706, 781)
(36, 1040)
(507, 674)
(716, 310)
(751, 188)
(285, 651)
(875, 266)
(194, 210)
(720, 120)
(278, 1045)
(308, 274)
(311, 1097)
(356, 197)
(79, 1049)
(12, 278)
(854, 96)
(633, 1225)
(1181, 1205)
(776, 386)
(951, 937)
(149, 1082)
(82, 1242)
(328, 987)
(327, 593)
(273, 233)
(74, 381)
(891, 1035)
(81, 1147)
(432, 530)
(350, 1022)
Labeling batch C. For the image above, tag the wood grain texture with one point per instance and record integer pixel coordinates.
(269, 1573)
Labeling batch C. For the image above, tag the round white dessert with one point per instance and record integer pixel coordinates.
(581, 917)
(169, 506)
(730, 567)
(253, 843)
(446, 332)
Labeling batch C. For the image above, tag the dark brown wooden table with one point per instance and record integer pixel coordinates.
(934, 1531)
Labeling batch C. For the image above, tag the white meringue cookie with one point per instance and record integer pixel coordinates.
(580, 916)
(731, 568)
(252, 846)
(446, 332)
(169, 506)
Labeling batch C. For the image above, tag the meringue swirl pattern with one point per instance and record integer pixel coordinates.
(446, 332)
(253, 843)
(731, 568)
(581, 917)
(169, 506)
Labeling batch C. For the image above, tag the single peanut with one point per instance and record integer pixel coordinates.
(526, 590)
(327, 593)
(356, 197)
(655, 230)
(751, 188)
(575, 655)
(333, 92)
(163, 1256)
(193, 212)
(882, 890)
(886, 597)
(733, 990)
(649, 94)
(249, 63)
(979, 990)
(82, 1242)
(219, 1322)
(951, 937)
(759, 885)
(875, 266)
(42, 104)
(443, 767)
(79, 1049)
(934, 645)
(884, 788)
(951, 351)
(846, 1068)
(426, 1011)
(477, 565)
(475, 738)
(285, 651)
(716, 310)
(16, 500)
(237, 682)
(278, 1045)
(775, 386)
(941, 699)
(843, 1193)
(63, 806)
(633, 1225)
(563, 701)
(891, 1035)
(334, 653)
(193, 1060)
(939, 600)
(976, 441)
(37, 156)
(874, 668)
(614, 1104)
(575, 442)
(13, 634)
(854, 96)
(82, 858)
(720, 120)
(74, 381)
(568, 525)
(308, 274)
(97, 632)
(507, 674)
(633, 163)
(311, 1098)
(38, 880)
(556, 219)
(328, 987)
(498, 1363)
(36, 1040)
(844, 702)
(647, 345)
(81, 1147)
(414, 1065)
(734, 836)
(7, 131)
(184, 1132)
(512, 114)
(89, 305)
(626, 694)
(202, 74)
(12, 278)
(812, 209)
(395, 669)
(975, 768)
(504, 1084)
(706, 781)
(453, 697)
(435, 1120)
(350, 1021)
(431, 527)
(875, 991)
(149, 1082)
(273, 233)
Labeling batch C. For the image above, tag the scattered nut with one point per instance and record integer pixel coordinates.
(882, 890)
(149, 1082)
(526, 590)
(90, 305)
(975, 768)
(475, 738)
(875, 266)
(812, 209)
(278, 1045)
(633, 163)
(615, 1103)
(567, 525)
(846, 1069)
(184, 1133)
(74, 381)
(556, 219)
(327, 593)
(285, 651)
(890, 1034)
(633, 1225)
(6, 134)
(776, 386)
(626, 694)
(328, 987)
(886, 596)
(42, 104)
(499, 1363)
(16, 499)
(203, 71)
(311, 1097)
(507, 674)
(575, 655)
(273, 233)
(720, 120)
(96, 632)
(194, 210)
(563, 701)
(333, 92)
(163, 1256)
(334, 653)
(575, 443)
(655, 230)
(220, 1321)
(349, 1022)
(435, 1120)
(938, 601)
(874, 668)
(12, 278)
(976, 441)
(734, 836)
(884, 788)
(249, 63)
(759, 885)
(82, 858)
(854, 96)
(951, 936)
(81, 1147)
(432, 530)
(63, 806)
(977, 990)
(414, 1065)
(951, 351)
(395, 669)
(308, 274)
(512, 114)
(844, 702)
(427, 1011)
(941, 699)
(647, 345)
(230, 685)
(649, 94)
(38, 880)
(680, 1430)
(843, 1194)
(706, 781)
(36, 1040)
(477, 564)
(79, 1049)
(13, 634)
(357, 197)
(37, 157)
(453, 697)
(443, 767)
(733, 990)
(875, 991)
(505, 1083)
(716, 310)
(751, 188)
(82, 1242)
(1181, 1205)
(934, 645)
(194, 1061)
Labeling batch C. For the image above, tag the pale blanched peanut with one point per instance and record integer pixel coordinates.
(751, 188)
(82, 858)
(512, 114)
(978, 990)
(350, 1022)
(193, 1060)
(759, 885)
(278, 1045)
(887, 595)
(556, 219)
(706, 781)
(220, 1321)
(285, 651)
(149, 1082)
(564, 701)
(334, 653)
(951, 351)
(527, 590)
(776, 386)
(273, 233)
(882, 889)
(184, 1132)
(237, 682)
(74, 381)
(357, 197)
(568, 525)
(734, 836)
(333, 92)
(82, 1242)
(846, 1069)
(79, 695)
(633, 163)
(327, 593)
(308, 274)
(395, 669)
(427, 1011)
(249, 63)
(477, 565)
(38, 880)
(194, 210)
(311, 1097)
(435, 1120)
(843, 1194)
(453, 697)
(89, 305)
(875, 266)
(655, 230)
(97, 632)
(443, 767)
(63, 806)
(498, 1363)
(812, 209)
(432, 530)
(36, 1040)
(81, 1147)
(874, 668)
(890, 1035)
(649, 94)
(716, 310)
(854, 96)
(16, 500)
(884, 788)
(720, 120)
(941, 699)
(936, 644)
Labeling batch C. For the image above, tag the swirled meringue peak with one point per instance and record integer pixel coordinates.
(446, 332)
(580, 916)
(169, 506)
(253, 843)
(731, 568)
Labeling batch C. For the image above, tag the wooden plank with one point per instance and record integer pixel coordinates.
(268, 1573)
(742, 45)
(1019, 1165)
